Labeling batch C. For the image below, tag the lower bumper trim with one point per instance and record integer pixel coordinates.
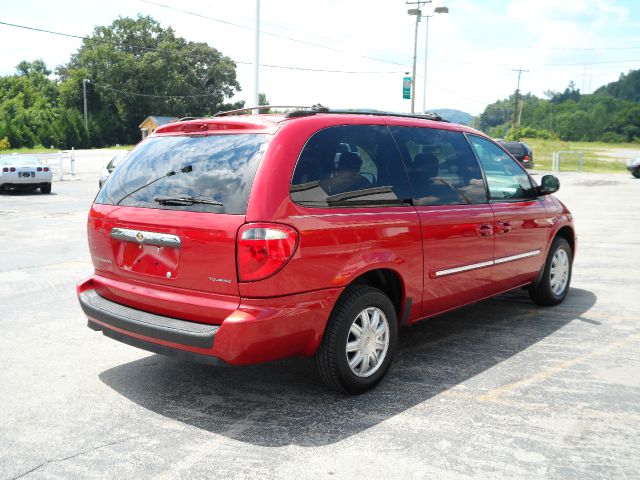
(150, 325)
(156, 347)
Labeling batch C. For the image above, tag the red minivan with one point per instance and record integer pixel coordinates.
(240, 239)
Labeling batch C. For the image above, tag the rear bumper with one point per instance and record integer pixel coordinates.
(258, 330)
(13, 180)
(114, 315)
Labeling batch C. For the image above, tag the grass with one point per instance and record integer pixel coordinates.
(593, 155)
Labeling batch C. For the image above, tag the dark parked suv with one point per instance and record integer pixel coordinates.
(520, 151)
(249, 238)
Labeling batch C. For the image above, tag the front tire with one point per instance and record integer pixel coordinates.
(359, 341)
(556, 277)
(636, 173)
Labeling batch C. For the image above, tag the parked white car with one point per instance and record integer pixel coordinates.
(24, 171)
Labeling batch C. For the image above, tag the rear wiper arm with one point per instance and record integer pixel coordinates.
(176, 201)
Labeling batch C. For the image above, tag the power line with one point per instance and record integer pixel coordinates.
(149, 49)
(292, 39)
(151, 95)
(462, 62)
(572, 49)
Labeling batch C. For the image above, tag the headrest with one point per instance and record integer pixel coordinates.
(349, 161)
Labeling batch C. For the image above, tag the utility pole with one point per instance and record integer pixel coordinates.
(84, 94)
(256, 66)
(516, 107)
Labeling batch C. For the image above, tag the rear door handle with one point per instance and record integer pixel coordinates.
(504, 227)
(485, 230)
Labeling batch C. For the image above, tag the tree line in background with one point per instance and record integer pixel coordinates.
(609, 114)
(135, 69)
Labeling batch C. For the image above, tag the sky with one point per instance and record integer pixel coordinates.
(354, 53)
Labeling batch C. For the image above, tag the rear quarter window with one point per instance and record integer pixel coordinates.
(218, 170)
(350, 165)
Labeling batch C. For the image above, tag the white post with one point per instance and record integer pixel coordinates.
(73, 162)
(60, 165)
(256, 64)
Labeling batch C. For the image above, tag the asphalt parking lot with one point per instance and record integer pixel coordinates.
(499, 389)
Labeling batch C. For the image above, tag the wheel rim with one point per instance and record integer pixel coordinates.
(367, 342)
(559, 272)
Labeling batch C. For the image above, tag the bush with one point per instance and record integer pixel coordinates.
(613, 137)
(4, 144)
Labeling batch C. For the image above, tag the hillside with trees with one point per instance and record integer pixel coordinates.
(609, 114)
(134, 68)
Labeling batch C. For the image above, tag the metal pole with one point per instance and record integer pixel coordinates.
(413, 77)
(84, 94)
(256, 66)
(424, 85)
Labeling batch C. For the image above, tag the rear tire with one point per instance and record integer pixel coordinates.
(46, 188)
(636, 173)
(359, 341)
(556, 277)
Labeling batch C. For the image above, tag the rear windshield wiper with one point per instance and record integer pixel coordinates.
(171, 173)
(178, 201)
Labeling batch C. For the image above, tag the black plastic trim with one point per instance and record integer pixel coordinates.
(170, 329)
(407, 309)
(157, 348)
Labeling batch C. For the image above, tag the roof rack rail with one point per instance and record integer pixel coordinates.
(266, 107)
(423, 116)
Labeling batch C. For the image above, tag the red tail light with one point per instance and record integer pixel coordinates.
(46, 169)
(263, 249)
(525, 158)
(12, 169)
(5, 169)
(39, 169)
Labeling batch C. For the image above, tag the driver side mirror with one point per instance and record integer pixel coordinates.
(548, 185)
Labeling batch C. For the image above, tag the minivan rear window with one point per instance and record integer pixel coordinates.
(194, 173)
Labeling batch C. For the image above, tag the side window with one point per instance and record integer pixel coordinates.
(350, 165)
(506, 178)
(441, 165)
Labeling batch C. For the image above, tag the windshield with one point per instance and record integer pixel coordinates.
(216, 170)
(19, 161)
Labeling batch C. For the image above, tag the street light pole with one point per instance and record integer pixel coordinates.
(424, 77)
(415, 54)
(426, 51)
(256, 66)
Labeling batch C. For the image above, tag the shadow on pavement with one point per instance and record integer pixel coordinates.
(283, 402)
(24, 192)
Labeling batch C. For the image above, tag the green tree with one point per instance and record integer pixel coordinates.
(137, 68)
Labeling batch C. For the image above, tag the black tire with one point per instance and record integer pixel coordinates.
(542, 292)
(636, 172)
(331, 357)
(46, 188)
